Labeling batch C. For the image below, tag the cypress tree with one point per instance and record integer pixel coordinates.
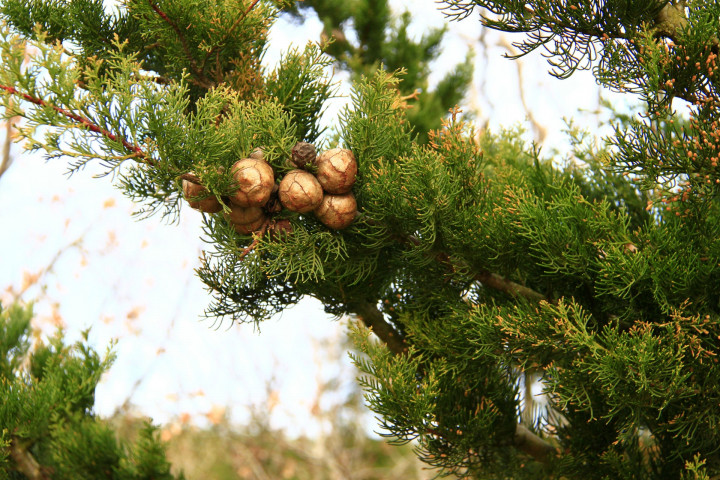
(477, 262)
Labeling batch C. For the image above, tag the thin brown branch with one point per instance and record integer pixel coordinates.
(540, 130)
(531, 444)
(36, 278)
(138, 153)
(373, 318)
(201, 79)
(228, 33)
(26, 463)
(497, 282)
(487, 278)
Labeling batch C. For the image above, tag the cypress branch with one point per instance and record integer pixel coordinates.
(488, 279)
(525, 440)
(134, 149)
(232, 28)
(26, 463)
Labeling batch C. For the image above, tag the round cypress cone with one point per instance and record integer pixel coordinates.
(248, 228)
(244, 215)
(336, 170)
(300, 191)
(337, 211)
(200, 198)
(303, 153)
(255, 180)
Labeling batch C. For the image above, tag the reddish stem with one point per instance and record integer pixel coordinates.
(256, 240)
(250, 7)
(82, 120)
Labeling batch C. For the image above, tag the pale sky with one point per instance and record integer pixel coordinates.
(134, 281)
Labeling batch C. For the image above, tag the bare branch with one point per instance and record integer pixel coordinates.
(26, 463)
(487, 278)
(6, 158)
(496, 282)
(373, 318)
(77, 243)
(540, 130)
(671, 20)
(528, 442)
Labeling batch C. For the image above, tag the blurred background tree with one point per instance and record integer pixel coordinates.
(48, 428)
(365, 35)
(51, 432)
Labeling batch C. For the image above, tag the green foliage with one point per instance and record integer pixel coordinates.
(124, 114)
(84, 23)
(304, 98)
(15, 342)
(46, 397)
(218, 44)
(420, 396)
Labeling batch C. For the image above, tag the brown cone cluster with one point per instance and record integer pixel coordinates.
(328, 193)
